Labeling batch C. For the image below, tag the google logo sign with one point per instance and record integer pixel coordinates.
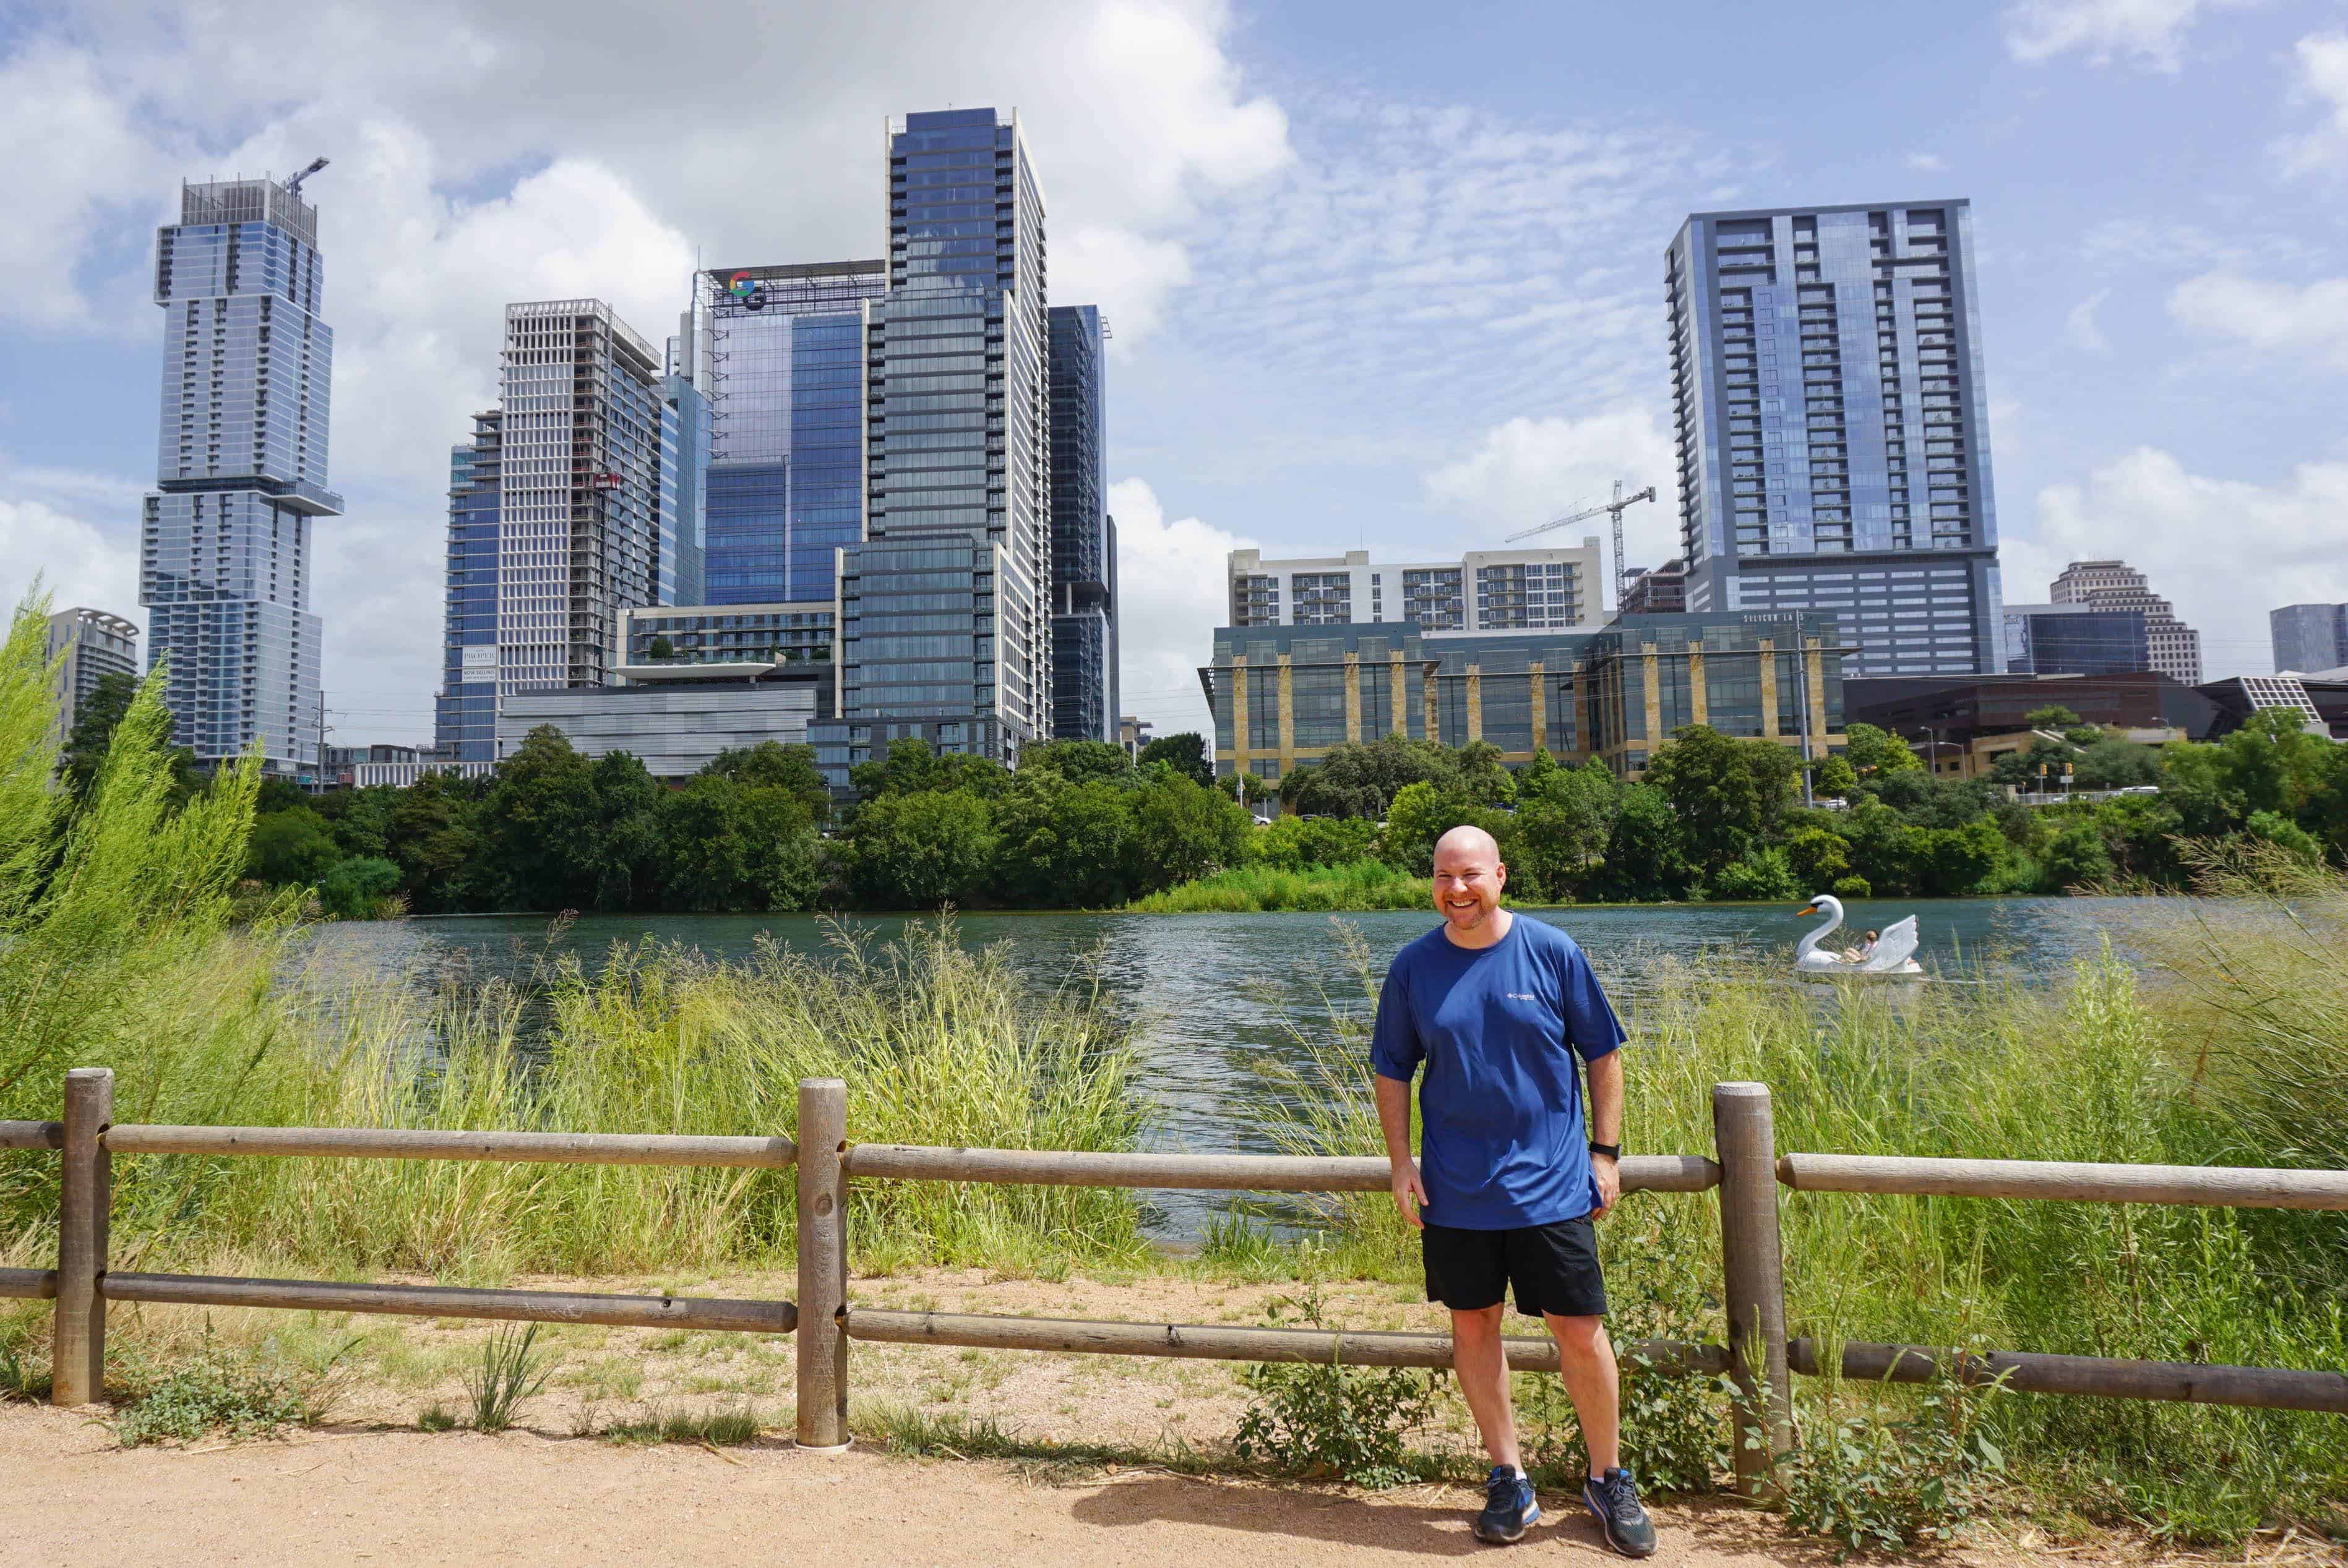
(744, 288)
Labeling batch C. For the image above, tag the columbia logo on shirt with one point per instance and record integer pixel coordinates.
(1522, 997)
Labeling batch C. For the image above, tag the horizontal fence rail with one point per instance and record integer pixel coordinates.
(440, 1301)
(1232, 1172)
(32, 1134)
(408, 1143)
(2175, 1382)
(2209, 1186)
(29, 1285)
(1222, 1342)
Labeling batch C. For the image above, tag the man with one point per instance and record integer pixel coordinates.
(1498, 1007)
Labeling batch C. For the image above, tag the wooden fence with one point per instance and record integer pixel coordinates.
(1757, 1351)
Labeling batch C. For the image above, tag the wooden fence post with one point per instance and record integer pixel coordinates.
(1753, 1261)
(78, 1358)
(823, 1265)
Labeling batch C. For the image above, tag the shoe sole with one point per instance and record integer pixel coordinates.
(1531, 1518)
(1606, 1530)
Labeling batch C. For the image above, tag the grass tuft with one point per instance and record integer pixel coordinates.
(511, 1372)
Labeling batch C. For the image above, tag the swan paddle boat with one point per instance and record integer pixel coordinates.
(1894, 952)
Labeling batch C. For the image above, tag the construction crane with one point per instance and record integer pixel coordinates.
(1621, 572)
(294, 186)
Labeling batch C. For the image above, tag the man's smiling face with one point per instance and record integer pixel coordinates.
(1469, 878)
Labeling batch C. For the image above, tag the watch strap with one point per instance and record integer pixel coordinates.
(1612, 1151)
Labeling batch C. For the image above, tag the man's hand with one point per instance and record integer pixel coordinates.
(1609, 1173)
(1409, 1192)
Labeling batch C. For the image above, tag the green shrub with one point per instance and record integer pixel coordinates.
(356, 888)
(1872, 1483)
(1853, 888)
(245, 1393)
(1314, 1419)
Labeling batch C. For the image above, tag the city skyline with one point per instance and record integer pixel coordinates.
(1372, 299)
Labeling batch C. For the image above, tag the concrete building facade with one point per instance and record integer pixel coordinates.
(1484, 590)
(2175, 647)
(87, 644)
(225, 546)
(1832, 427)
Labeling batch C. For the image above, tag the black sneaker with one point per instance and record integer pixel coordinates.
(1614, 1499)
(1508, 1507)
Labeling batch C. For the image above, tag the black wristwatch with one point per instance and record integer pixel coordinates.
(1612, 1151)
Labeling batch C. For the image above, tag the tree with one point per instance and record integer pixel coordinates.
(1184, 752)
(1835, 776)
(911, 767)
(1563, 819)
(1360, 780)
(2111, 763)
(728, 846)
(354, 888)
(920, 849)
(1646, 856)
(1873, 752)
(660, 649)
(537, 824)
(1061, 845)
(1079, 761)
(290, 848)
(436, 841)
(1727, 793)
(1817, 856)
(2078, 857)
(770, 764)
(94, 718)
(2053, 716)
(1484, 776)
(1183, 830)
(623, 853)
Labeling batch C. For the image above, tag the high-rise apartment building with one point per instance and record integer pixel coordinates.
(86, 644)
(225, 546)
(1484, 590)
(572, 483)
(1833, 427)
(689, 409)
(465, 714)
(2175, 647)
(779, 351)
(1083, 536)
(946, 622)
(2310, 638)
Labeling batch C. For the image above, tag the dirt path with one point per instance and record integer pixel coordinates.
(69, 1495)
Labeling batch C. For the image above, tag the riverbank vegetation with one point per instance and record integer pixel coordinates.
(125, 941)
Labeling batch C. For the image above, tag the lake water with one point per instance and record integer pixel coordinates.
(1211, 994)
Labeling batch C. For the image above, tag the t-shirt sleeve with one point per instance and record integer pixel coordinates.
(1395, 1049)
(1590, 1026)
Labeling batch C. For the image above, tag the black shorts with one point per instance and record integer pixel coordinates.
(1554, 1268)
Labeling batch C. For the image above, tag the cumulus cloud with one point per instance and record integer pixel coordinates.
(74, 562)
(1172, 586)
(2079, 326)
(2147, 33)
(1525, 471)
(2279, 320)
(2323, 61)
(1928, 163)
(2280, 545)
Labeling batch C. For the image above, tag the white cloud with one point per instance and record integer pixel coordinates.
(1928, 163)
(2284, 321)
(2079, 326)
(1173, 588)
(2151, 33)
(2323, 79)
(1527, 471)
(1130, 278)
(2223, 550)
(75, 562)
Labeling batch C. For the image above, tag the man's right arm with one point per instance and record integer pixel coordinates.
(1393, 1122)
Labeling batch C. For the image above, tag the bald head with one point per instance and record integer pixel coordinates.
(1468, 843)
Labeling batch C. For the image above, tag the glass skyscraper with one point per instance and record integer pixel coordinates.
(565, 510)
(2309, 638)
(225, 546)
(946, 607)
(780, 351)
(1083, 536)
(1833, 427)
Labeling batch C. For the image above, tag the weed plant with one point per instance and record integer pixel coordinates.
(1330, 1420)
(245, 1391)
(729, 1428)
(510, 1371)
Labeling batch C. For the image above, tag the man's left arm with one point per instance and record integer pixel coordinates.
(1606, 1127)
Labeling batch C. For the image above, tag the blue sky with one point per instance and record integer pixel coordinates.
(1379, 276)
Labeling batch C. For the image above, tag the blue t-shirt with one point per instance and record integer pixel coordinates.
(1501, 1125)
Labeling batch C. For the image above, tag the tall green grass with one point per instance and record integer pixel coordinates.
(1249, 889)
(2231, 1048)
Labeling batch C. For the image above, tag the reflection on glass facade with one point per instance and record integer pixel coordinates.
(2310, 638)
(780, 352)
(464, 713)
(1283, 696)
(1084, 547)
(225, 546)
(1832, 428)
(2062, 640)
(958, 447)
